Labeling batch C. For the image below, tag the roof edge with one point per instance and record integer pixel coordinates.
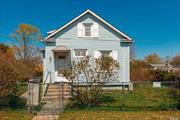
(85, 12)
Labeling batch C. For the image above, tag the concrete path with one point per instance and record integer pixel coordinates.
(46, 117)
(50, 108)
(49, 111)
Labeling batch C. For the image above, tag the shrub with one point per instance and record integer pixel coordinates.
(80, 103)
(13, 102)
(175, 94)
(94, 77)
(105, 99)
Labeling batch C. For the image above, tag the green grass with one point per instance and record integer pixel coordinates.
(144, 102)
(21, 88)
(141, 98)
(15, 115)
(116, 115)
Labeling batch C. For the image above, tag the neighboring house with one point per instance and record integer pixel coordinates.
(162, 66)
(87, 34)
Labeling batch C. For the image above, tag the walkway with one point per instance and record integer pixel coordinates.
(49, 111)
(45, 117)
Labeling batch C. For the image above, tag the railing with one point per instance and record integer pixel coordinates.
(45, 81)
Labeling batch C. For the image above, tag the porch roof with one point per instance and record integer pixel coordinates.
(61, 48)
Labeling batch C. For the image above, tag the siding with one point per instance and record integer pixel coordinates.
(107, 39)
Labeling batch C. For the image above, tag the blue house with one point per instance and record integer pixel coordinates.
(87, 34)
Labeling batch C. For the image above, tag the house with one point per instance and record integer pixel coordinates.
(87, 34)
(162, 66)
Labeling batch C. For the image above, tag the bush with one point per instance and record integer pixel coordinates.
(105, 99)
(175, 94)
(76, 102)
(13, 102)
(93, 78)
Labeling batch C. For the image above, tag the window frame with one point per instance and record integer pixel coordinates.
(86, 52)
(109, 50)
(84, 25)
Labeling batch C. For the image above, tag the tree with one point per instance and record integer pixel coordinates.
(27, 37)
(152, 59)
(94, 78)
(140, 71)
(160, 75)
(13, 70)
(175, 61)
(9, 72)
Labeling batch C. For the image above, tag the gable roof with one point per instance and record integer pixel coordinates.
(127, 39)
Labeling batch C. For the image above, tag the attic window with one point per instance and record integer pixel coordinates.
(87, 29)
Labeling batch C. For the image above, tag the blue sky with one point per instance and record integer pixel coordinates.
(153, 24)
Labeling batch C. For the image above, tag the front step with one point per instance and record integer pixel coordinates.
(57, 90)
(54, 92)
(57, 93)
(54, 98)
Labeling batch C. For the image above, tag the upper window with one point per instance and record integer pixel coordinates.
(87, 29)
(80, 52)
(105, 52)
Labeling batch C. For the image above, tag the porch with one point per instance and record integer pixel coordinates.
(61, 59)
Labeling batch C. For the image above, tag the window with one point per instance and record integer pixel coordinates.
(105, 52)
(87, 29)
(80, 52)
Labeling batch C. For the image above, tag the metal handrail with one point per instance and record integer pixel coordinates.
(46, 75)
(44, 81)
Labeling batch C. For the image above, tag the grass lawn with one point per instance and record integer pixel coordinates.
(143, 103)
(141, 98)
(22, 88)
(15, 115)
(115, 115)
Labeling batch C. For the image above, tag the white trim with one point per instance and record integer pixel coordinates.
(97, 54)
(88, 11)
(50, 32)
(105, 49)
(80, 56)
(124, 66)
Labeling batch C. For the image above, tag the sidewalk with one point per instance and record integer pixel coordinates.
(46, 117)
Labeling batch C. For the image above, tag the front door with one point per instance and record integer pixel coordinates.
(62, 62)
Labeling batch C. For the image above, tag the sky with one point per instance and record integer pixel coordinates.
(154, 25)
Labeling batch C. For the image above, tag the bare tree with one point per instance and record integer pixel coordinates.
(152, 59)
(175, 61)
(27, 38)
(93, 75)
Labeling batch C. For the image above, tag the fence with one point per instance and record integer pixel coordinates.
(49, 102)
(145, 95)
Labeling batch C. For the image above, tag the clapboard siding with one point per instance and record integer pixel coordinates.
(107, 40)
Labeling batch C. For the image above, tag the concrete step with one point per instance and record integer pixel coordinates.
(54, 98)
(58, 87)
(56, 84)
(57, 94)
(54, 92)
(57, 90)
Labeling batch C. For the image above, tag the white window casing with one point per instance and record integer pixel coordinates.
(95, 30)
(111, 54)
(80, 53)
(80, 30)
(115, 55)
(123, 55)
(97, 54)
